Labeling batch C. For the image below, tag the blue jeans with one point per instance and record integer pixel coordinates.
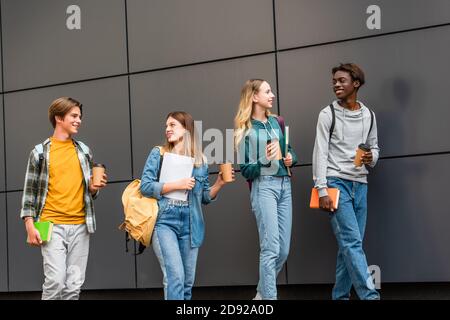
(172, 245)
(272, 205)
(349, 223)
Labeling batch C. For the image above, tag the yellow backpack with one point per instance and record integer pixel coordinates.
(140, 213)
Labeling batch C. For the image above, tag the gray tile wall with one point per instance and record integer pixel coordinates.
(3, 245)
(170, 33)
(134, 61)
(39, 49)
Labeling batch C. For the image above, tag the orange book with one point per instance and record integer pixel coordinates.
(333, 193)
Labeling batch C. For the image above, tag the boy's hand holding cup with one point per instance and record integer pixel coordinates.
(99, 177)
(363, 155)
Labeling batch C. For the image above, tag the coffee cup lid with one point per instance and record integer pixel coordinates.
(364, 146)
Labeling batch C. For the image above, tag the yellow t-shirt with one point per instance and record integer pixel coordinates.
(65, 198)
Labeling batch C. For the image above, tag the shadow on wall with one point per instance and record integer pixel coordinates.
(402, 237)
(392, 123)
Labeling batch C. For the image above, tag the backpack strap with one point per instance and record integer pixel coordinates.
(371, 120)
(161, 159)
(85, 149)
(281, 123)
(141, 246)
(127, 239)
(40, 150)
(140, 249)
(333, 119)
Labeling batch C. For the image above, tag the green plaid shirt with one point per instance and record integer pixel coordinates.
(36, 184)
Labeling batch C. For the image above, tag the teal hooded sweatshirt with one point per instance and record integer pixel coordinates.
(251, 153)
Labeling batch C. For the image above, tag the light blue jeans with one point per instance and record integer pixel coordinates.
(171, 242)
(272, 205)
(349, 223)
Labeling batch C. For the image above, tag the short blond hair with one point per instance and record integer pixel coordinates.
(60, 107)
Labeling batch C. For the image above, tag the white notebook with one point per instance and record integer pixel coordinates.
(176, 167)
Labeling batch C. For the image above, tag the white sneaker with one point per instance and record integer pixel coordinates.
(258, 296)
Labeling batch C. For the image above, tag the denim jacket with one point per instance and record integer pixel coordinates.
(199, 195)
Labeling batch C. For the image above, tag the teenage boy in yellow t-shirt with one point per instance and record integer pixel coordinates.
(58, 188)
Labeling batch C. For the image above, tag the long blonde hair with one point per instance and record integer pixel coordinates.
(242, 121)
(192, 145)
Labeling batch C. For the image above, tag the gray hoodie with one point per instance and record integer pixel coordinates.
(335, 158)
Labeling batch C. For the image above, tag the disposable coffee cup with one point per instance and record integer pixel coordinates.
(279, 156)
(361, 149)
(227, 172)
(97, 173)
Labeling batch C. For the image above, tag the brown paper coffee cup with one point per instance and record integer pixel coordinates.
(278, 156)
(97, 173)
(227, 172)
(361, 149)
